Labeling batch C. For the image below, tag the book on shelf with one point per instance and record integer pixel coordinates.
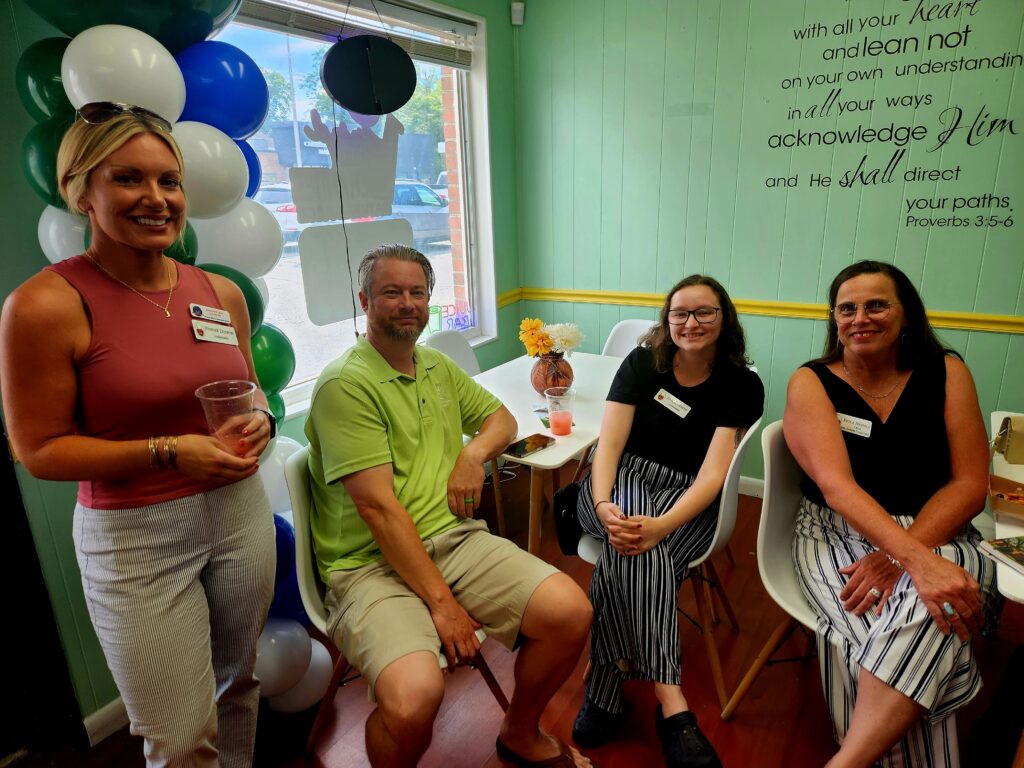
(1009, 551)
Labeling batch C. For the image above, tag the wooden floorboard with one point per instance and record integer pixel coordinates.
(782, 721)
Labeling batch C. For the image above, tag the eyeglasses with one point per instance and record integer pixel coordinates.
(99, 112)
(876, 309)
(703, 315)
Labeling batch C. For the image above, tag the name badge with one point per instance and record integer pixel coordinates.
(673, 403)
(210, 313)
(854, 426)
(220, 334)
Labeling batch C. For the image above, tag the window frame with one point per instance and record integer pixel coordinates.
(477, 214)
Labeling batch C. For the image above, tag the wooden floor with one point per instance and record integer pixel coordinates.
(782, 721)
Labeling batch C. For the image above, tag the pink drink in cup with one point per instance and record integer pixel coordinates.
(560, 403)
(228, 408)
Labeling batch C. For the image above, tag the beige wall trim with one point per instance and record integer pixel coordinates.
(962, 321)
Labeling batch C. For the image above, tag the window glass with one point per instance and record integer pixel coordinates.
(429, 184)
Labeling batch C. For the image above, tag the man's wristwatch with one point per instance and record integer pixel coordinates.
(271, 419)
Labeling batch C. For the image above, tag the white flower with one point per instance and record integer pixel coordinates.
(565, 337)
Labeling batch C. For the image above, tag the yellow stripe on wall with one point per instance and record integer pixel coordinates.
(962, 321)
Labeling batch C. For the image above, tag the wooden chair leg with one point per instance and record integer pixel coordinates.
(582, 466)
(716, 583)
(480, 664)
(709, 641)
(341, 666)
(777, 638)
(709, 595)
(499, 504)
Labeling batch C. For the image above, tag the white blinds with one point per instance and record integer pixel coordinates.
(425, 35)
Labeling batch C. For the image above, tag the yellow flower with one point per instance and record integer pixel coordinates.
(536, 340)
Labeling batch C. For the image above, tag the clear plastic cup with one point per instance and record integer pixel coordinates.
(228, 408)
(560, 406)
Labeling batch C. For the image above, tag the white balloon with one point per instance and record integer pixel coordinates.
(247, 238)
(263, 288)
(61, 234)
(120, 64)
(282, 656)
(271, 471)
(311, 688)
(216, 173)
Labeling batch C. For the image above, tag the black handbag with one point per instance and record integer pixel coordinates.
(567, 524)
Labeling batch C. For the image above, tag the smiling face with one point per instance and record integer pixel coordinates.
(134, 197)
(397, 304)
(692, 336)
(864, 335)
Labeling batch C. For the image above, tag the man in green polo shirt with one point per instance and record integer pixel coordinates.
(411, 573)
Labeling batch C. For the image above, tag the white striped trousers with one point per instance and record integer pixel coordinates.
(178, 593)
(635, 632)
(903, 647)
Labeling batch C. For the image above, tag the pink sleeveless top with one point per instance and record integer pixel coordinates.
(138, 377)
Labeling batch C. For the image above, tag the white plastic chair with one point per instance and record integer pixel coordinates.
(774, 552)
(312, 591)
(455, 345)
(702, 568)
(622, 338)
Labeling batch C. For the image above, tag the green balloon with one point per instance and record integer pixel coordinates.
(276, 404)
(253, 299)
(185, 250)
(37, 78)
(174, 23)
(39, 156)
(274, 358)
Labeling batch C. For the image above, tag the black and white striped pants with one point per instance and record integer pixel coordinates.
(903, 647)
(178, 593)
(635, 633)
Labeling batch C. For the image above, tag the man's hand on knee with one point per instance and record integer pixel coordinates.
(457, 630)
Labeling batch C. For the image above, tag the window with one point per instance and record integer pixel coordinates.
(428, 164)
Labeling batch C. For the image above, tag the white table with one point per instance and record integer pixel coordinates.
(1010, 583)
(510, 383)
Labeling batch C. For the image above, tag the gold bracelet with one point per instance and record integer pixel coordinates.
(165, 446)
(173, 455)
(152, 452)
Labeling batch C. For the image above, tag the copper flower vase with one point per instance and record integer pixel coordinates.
(551, 370)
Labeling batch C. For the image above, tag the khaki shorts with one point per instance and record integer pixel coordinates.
(375, 618)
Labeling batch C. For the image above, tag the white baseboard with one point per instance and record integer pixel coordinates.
(106, 720)
(752, 486)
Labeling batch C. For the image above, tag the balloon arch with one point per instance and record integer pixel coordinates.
(157, 55)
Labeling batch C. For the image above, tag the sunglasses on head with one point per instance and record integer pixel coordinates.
(99, 112)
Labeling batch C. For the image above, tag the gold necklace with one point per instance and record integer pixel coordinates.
(864, 391)
(170, 282)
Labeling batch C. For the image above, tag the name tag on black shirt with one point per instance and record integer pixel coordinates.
(673, 403)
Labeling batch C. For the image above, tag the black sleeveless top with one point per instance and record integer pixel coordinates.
(905, 460)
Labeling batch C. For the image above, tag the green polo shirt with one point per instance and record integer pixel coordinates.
(363, 414)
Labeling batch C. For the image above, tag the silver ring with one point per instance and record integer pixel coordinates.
(948, 610)
(875, 593)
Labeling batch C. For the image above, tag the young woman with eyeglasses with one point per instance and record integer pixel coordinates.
(887, 428)
(99, 365)
(675, 414)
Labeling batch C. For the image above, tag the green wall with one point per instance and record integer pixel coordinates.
(645, 129)
(49, 505)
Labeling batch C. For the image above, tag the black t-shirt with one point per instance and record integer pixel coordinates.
(904, 460)
(729, 397)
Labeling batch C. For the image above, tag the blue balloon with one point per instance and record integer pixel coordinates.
(287, 603)
(255, 171)
(223, 88)
(285, 538)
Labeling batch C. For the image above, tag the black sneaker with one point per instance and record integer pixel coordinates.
(595, 727)
(682, 743)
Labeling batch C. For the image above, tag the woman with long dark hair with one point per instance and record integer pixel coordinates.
(887, 428)
(676, 411)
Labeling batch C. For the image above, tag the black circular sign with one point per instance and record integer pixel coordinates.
(368, 74)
